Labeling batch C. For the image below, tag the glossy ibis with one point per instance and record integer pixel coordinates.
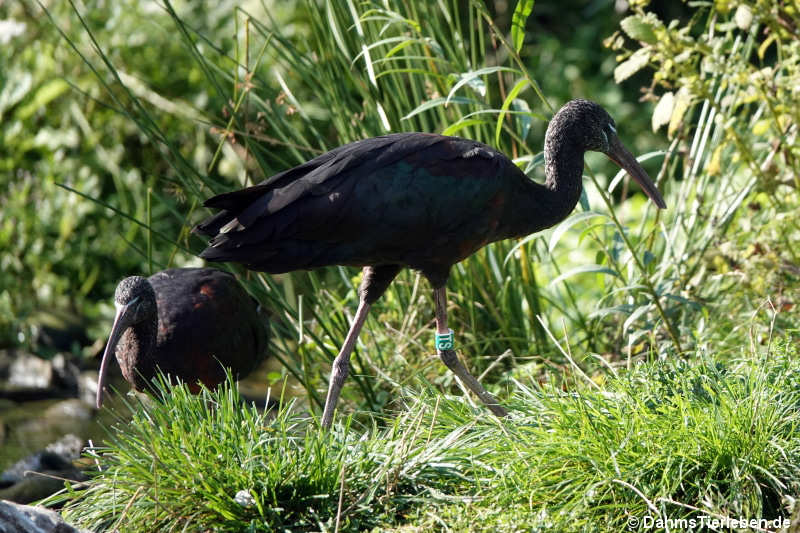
(413, 200)
(188, 322)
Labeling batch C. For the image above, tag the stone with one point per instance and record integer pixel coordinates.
(73, 409)
(87, 386)
(43, 473)
(16, 518)
(29, 371)
(65, 373)
(25, 377)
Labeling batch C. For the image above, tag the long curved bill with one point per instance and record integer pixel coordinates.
(122, 321)
(621, 156)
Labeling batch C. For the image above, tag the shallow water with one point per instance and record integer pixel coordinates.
(29, 428)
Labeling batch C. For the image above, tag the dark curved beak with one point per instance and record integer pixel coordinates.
(621, 156)
(122, 321)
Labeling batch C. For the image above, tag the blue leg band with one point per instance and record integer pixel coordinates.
(445, 341)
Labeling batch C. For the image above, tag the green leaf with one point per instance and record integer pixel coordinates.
(43, 96)
(761, 127)
(364, 50)
(334, 27)
(635, 316)
(762, 49)
(531, 162)
(571, 221)
(436, 102)
(632, 65)
(470, 76)
(398, 48)
(584, 201)
(521, 84)
(524, 117)
(14, 89)
(682, 101)
(518, 20)
(639, 28)
(593, 269)
(461, 124)
(605, 311)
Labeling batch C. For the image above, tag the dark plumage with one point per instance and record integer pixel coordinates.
(413, 200)
(191, 323)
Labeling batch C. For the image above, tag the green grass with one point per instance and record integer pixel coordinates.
(668, 440)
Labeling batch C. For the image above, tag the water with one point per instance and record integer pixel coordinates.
(30, 428)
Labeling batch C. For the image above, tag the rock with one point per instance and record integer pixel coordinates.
(6, 357)
(87, 386)
(25, 377)
(29, 371)
(57, 455)
(59, 330)
(69, 446)
(34, 488)
(33, 427)
(23, 482)
(73, 409)
(65, 374)
(15, 518)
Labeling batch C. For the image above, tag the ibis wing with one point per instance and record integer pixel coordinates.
(281, 189)
(407, 198)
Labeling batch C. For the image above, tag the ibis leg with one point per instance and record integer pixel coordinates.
(341, 365)
(450, 358)
(374, 282)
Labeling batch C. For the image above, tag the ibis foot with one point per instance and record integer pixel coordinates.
(374, 283)
(450, 358)
(341, 365)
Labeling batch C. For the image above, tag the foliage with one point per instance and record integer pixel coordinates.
(728, 82)
(63, 125)
(667, 440)
(742, 58)
(366, 69)
(425, 67)
(252, 470)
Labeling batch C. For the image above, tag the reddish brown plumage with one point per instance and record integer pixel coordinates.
(190, 323)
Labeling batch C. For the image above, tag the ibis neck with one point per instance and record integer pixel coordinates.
(135, 353)
(564, 146)
(564, 171)
(544, 206)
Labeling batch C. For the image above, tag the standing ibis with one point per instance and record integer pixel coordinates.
(412, 200)
(190, 323)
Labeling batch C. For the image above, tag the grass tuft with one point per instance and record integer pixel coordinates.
(666, 440)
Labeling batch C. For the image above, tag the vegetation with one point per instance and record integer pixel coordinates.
(664, 441)
(648, 357)
(61, 254)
